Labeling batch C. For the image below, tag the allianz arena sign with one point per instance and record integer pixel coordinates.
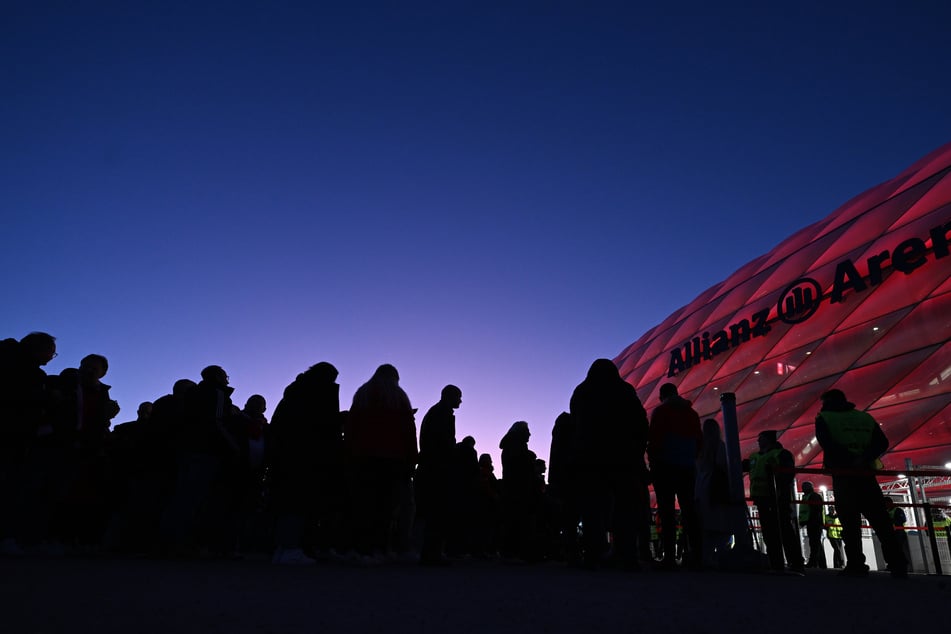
(803, 297)
(859, 301)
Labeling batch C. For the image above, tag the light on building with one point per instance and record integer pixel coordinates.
(823, 488)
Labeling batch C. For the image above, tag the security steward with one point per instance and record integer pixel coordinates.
(810, 516)
(852, 442)
(772, 494)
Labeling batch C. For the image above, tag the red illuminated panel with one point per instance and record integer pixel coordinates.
(741, 276)
(747, 411)
(635, 377)
(752, 352)
(738, 298)
(799, 240)
(928, 324)
(937, 197)
(691, 327)
(897, 293)
(934, 431)
(866, 385)
(932, 377)
(710, 397)
(932, 456)
(860, 204)
(784, 408)
(907, 419)
(648, 393)
(658, 369)
(944, 288)
(661, 344)
(839, 351)
(934, 162)
(871, 225)
(802, 444)
(770, 374)
(702, 373)
(793, 267)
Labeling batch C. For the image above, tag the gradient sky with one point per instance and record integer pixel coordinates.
(491, 194)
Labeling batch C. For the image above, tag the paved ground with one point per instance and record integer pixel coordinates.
(106, 596)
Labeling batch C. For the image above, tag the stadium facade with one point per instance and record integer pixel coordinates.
(859, 301)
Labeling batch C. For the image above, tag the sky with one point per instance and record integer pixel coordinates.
(488, 194)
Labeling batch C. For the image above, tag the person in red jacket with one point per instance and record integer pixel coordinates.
(673, 445)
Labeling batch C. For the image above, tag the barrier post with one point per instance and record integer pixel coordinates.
(734, 461)
(932, 538)
(913, 490)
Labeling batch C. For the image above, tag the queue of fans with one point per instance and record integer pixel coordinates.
(196, 475)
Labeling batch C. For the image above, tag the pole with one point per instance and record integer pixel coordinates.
(914, 500)
(734, 461)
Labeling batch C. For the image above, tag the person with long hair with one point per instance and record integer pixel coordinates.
(380, 436)
(713, 495)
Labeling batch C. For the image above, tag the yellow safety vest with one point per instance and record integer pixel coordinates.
(759, 479)
(834, 530)
(851, 429)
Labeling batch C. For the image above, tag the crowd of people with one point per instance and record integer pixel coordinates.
(194, 475)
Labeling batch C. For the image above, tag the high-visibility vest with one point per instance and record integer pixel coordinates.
(834, 530)
(851, 429)
(759, 479)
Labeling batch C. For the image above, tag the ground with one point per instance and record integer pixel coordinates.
(128, 596)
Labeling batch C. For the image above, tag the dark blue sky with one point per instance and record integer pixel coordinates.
(488, 194)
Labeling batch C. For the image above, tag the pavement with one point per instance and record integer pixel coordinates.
(141, 596)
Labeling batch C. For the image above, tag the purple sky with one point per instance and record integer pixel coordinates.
(480, 194)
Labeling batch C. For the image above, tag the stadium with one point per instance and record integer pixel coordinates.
(859, 301)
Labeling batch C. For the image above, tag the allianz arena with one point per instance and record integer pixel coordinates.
(859, 301)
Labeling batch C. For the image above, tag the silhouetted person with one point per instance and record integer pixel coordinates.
(810, 516)
(240, 476)
(380, 436)
(898, 517)
(853, 441)
(205, 443)
(673, 447)
(24, 410)
(611, 430)
(713, 495)
(488, 509)
(131, 454)
(834, 533)
(306, 466)
(772, 494)
(564, 486)
(434, 476)
(84, 412)
(168, 427)
(464, 498)
(520, 496)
